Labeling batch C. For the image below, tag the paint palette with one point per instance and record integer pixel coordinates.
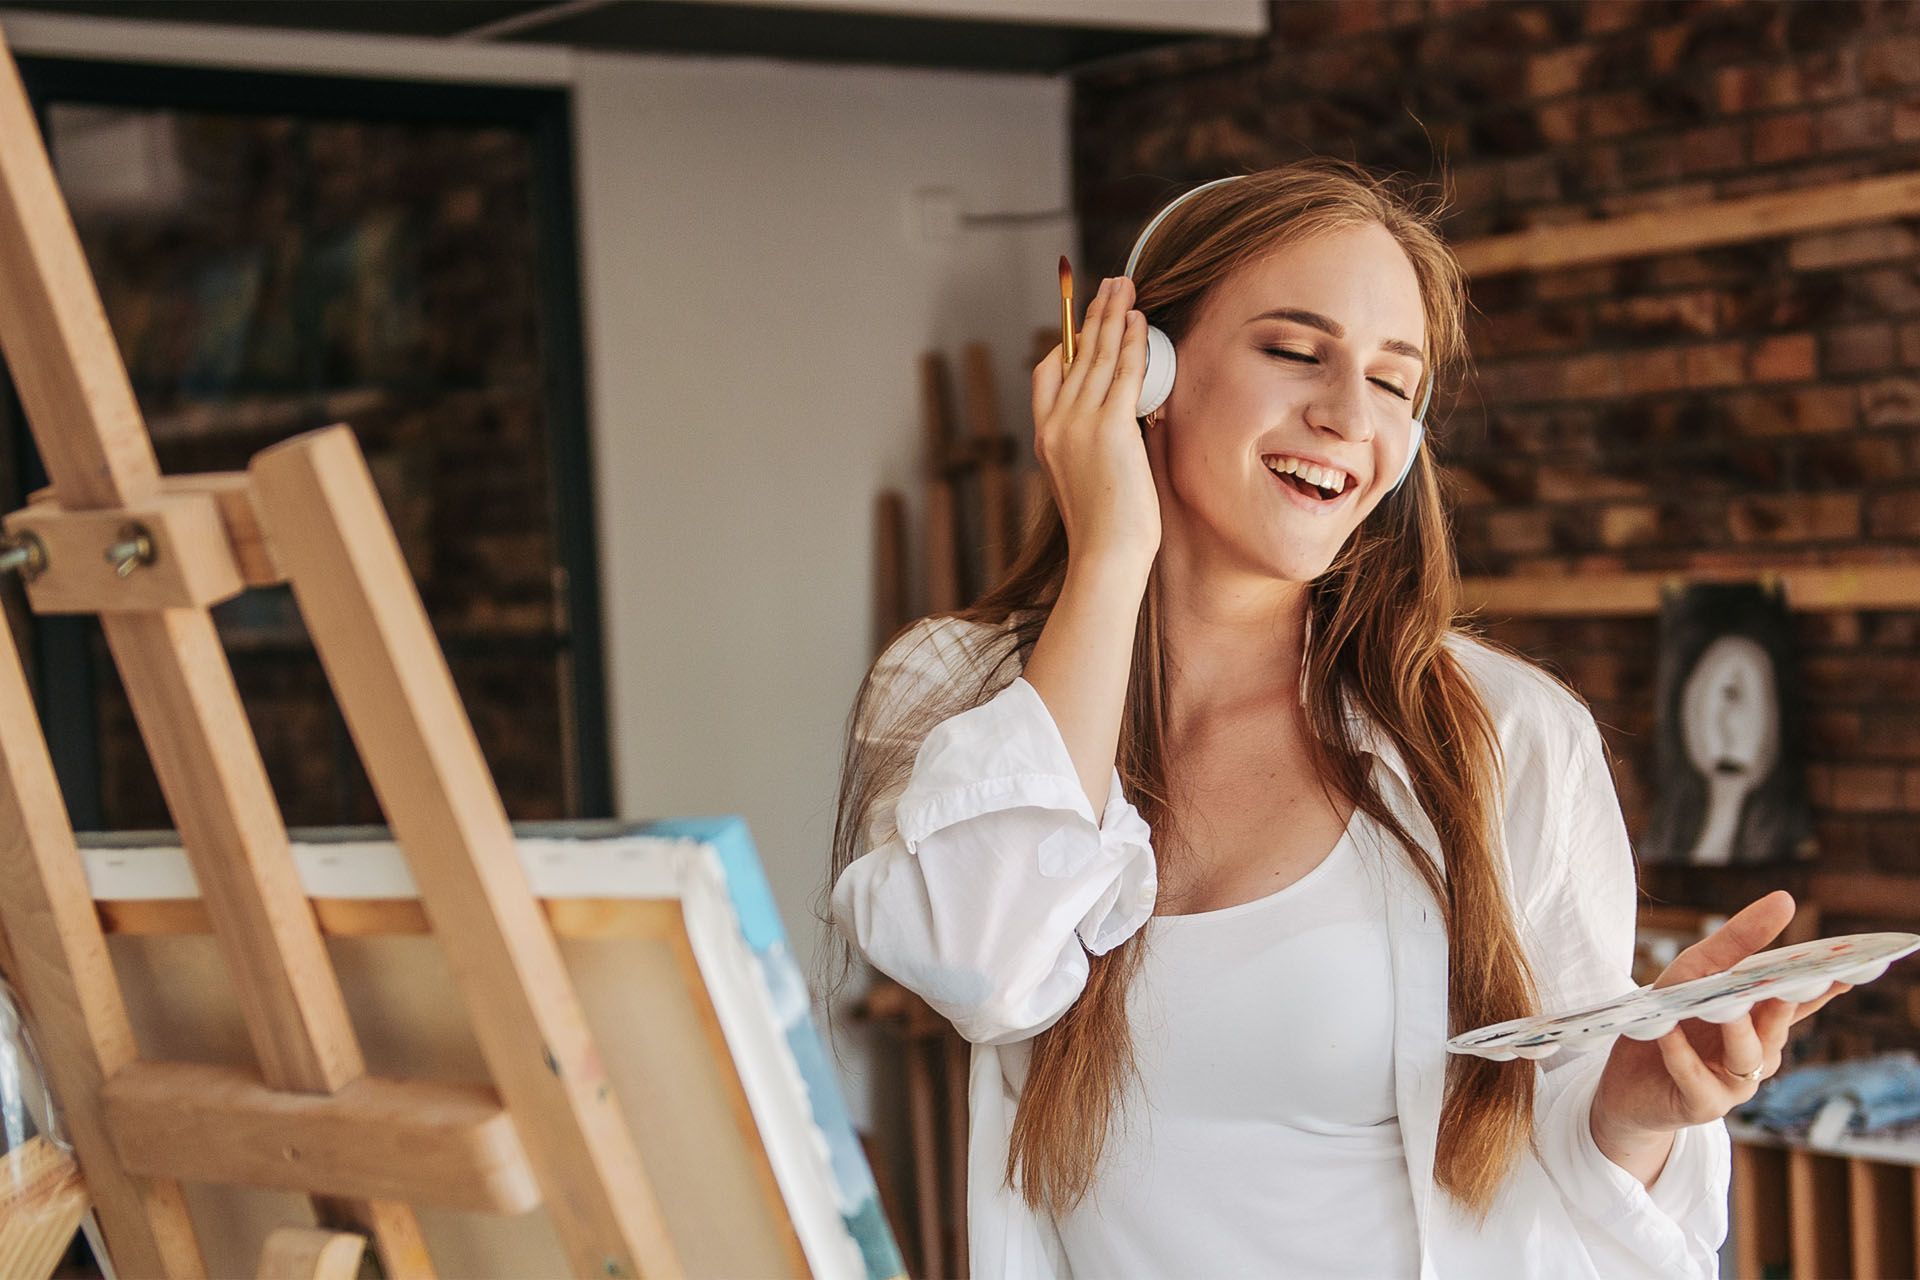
(1803, 971)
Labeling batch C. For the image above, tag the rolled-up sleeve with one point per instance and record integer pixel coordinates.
(997, 880)
(1587, 914)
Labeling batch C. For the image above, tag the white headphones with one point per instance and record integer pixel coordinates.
(1158, 383)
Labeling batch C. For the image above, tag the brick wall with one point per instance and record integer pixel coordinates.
(1750, 406)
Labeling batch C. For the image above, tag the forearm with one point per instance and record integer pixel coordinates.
(1081, 662)
(1643, 1155)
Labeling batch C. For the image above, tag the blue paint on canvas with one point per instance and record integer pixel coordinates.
(858, 1198)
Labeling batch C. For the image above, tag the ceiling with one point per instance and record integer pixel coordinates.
(1033, 36)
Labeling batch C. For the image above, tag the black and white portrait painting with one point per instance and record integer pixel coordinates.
(1731, 785)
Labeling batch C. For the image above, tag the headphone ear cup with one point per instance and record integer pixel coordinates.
(1157, 385)
(1413, 451)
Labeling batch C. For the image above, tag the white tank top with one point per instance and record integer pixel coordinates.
(1262, 1139)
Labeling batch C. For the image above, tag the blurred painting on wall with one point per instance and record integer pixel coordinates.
(1730, 748)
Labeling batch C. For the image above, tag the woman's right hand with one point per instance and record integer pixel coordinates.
(1087, 439)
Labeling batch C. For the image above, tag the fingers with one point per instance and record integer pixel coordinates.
(1809, 1007)
(1093, 364)
(1749, 930)
(1741, 1047)
(1130, 370)
(1047, 376)
(1700, 1084)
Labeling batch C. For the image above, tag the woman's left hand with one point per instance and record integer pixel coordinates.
(1691, 1075)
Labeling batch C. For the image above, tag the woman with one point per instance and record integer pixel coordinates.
(1209, 824)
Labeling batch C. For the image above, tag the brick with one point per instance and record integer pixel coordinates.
(1894, 515)
(1559, 123)
(1891, 61)
(1612, 115)
(1592, 376)
(1887, 291)
(1648, 160)
(1629, 526)
(1783, 137)
(1858, 348)
(1519, 531)
(1566, 484)
(1654, 370)
(1694, 314)
(1786, 357)
(1812, 517)
(1910, 791)
(1910, 344)
(1719, 364)
(1855, 126)
(1551, 74)
(1906, 120)
(1851, 246)
(1865, 788)
(1577, 282)
(1530, 180)
(1890, 402)
(1713, 149)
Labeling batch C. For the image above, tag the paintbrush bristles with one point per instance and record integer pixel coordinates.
(1066, 312)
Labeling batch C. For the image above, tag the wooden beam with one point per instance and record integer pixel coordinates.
(192, 562)
(306, 1253)
(1699, 226)
(325, 524)
(389, 917)
(447, 1145)
(72, 994)
(99, 456)
(1827, 588)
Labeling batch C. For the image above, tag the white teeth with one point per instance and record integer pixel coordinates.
(1325, 478)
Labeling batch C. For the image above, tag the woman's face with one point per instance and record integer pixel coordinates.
(1310, 356)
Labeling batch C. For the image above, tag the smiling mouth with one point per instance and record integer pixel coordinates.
(1324, 486)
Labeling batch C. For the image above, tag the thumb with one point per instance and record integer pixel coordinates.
(1755, 926)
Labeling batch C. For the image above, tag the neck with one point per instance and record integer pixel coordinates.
(1234, 641)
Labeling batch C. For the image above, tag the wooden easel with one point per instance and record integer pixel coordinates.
(150, 555)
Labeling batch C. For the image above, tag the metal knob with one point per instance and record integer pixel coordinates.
(24, 553)
(134, 549)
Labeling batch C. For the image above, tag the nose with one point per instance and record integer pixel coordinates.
(1339, 406)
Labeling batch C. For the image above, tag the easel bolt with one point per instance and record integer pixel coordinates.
(134, 549)
(25, 553)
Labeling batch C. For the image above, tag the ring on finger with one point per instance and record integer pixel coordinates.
(1747, 1077)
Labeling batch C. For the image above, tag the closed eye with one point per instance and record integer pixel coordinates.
(1284, 354)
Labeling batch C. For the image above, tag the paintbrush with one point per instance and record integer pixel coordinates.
(1066, 312)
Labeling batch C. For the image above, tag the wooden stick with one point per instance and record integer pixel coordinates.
(1659, 231)
(304, 1253)
(940, 507)
(322, 517)
(97, 452)
(72, 994)
(983, 418)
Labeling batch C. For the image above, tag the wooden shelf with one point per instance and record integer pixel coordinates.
(1826, 588)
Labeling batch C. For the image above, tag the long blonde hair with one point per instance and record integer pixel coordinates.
(1379, 617)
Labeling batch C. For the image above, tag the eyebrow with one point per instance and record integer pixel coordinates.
(1314, 320)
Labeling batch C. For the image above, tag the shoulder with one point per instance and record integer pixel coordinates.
(942, 647)
(1533, 713)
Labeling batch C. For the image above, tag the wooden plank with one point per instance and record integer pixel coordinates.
(305, 1253)
(1595, 595)
(72, 995)
(1817, 1216)
(1657, 231)
(81, 410)
(192, 567)
(889, 568)
(54, 331)
(922, 1117)
(1866, 893)
(232, 492)
(322, 517)
(580, 918)
(1880, 1201)
(959, 1055)
(449, 1145)
(1759, 1209)
(983, 418)
(41, 1203)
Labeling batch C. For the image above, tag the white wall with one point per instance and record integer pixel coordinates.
(756, 307)
(757, 298)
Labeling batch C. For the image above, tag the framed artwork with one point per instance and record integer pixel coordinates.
(1730, 752)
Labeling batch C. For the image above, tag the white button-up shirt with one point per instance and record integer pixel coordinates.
(989, 880)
